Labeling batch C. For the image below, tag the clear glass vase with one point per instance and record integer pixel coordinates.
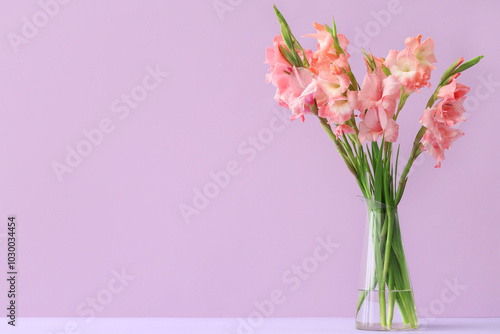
(385, 301)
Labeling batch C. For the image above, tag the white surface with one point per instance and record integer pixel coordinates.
(228, 326)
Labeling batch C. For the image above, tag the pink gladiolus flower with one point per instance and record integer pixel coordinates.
(327, 65)
(332, 98)
(300, 78)
(449, 110)
(378, 63)
(299, 92)
(276, 60)
(375, 124)
(291, 82)
(453, 91)
(332, 82)
(290, 91)
(340, 109)
(413, 65)
(404, 66)
(327, 58)
(341, 129)
(439, 120)
(439, 139)
(424, 52)
(331, 87)
(428, 118)
(379, 91)
(325, 39)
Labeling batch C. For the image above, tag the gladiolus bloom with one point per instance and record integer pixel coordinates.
(343, 129)
(413, 65)
(439, 139)
(375, 124)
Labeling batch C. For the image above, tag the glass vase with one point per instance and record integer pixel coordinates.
(385, 301)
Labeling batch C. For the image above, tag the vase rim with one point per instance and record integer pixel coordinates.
(377, 204)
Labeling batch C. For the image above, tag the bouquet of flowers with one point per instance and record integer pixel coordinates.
(361, 120)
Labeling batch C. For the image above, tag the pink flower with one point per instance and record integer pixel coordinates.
(290, 91)
(277, 62)
(413, 65)
(453, 91)
(428, 118)
(404, 66)
(331, 68)
(379, 91)
(424, 52)
(291, 82)
(439, 139)
(341, 129)
(325, 39)
(375, 124)
(298, 92)
(327, 58)
(449, 110)
(331, 87)
(334, 101)
(340, 109)
(439, 120)
(378, 63)
(325, 65)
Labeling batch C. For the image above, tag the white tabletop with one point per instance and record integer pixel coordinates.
(228, 326)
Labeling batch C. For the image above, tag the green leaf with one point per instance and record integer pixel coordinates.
(280, 17)
(369, 60)
(288, 56)
(396, 167)
(333, 32)
(401, 190)
(369, 154)
(468, 64)
(289, 43)
(386, 70)
(377, 166)
(450, 70)
(288, 38)
(328, 29)
(297, 44)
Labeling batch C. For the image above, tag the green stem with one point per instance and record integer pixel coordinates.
(402, 277)
(376, 226)
(362, 297)
(399, 287)
(417, 146)
(392, 300)
(402, 307)
(340, 148)
(402, 100)
(415, 152)
(388, 243)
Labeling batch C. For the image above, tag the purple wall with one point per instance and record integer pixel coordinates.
(116, 206)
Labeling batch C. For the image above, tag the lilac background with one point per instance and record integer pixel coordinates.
(120, 207)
